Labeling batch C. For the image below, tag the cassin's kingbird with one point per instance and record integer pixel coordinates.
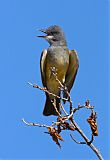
(64, 61)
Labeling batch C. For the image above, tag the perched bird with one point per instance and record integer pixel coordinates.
(63, 60)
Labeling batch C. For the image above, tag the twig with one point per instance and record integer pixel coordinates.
(64, 88)
(69, 116)
(92, 139)
(88, 141)
(55, 124)
(34, 124)
(63, 109)
(80, 107)
(45, 90)
(54, 104)
(76, 141)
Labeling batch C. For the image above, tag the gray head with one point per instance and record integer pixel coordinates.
(54, 35)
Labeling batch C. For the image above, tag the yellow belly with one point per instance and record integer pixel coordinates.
(52, 84)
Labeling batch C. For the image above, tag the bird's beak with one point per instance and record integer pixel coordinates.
(46, 36)
(44, 31)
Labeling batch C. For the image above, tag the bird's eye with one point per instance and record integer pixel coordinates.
(54, 39)
(53, 33)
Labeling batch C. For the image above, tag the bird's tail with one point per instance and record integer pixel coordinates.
(49, 108)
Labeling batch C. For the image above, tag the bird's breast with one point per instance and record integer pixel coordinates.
(58, 59)
(58, 55)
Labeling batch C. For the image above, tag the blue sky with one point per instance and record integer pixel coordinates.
(85, 24)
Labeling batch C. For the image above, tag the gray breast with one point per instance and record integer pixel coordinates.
(58, 55)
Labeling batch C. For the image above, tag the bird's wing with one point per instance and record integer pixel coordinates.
(72, 69)
(42, 66)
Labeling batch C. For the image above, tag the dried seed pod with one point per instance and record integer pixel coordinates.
(93, 124)
(55, 136)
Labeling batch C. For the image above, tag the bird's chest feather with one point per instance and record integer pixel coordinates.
(57, 58)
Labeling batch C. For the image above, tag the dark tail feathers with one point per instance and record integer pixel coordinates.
(49, 108)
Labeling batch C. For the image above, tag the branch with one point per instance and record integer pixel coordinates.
(76, 141)
(34, 124)
(88, 141)
(54, 104)
(63, 109)
(53, 69)
(85, 106)
(92, 139)
(62, 124)
(45, 90)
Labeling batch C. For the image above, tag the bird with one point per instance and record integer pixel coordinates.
(64, 61)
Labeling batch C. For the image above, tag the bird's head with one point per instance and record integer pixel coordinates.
(54, 35)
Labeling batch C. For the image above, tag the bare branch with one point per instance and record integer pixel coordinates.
(34, 124)
(63, 87)
(80, 107)
(88, 141)
(92, 139)
(62, 121)
(54, 104)
(76, 141)
(63, 109)
(45, 90)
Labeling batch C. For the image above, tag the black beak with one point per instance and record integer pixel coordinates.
(41, 36)
(44, 31)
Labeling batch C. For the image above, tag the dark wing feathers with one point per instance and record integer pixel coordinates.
(72, 70)
(49, 108)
